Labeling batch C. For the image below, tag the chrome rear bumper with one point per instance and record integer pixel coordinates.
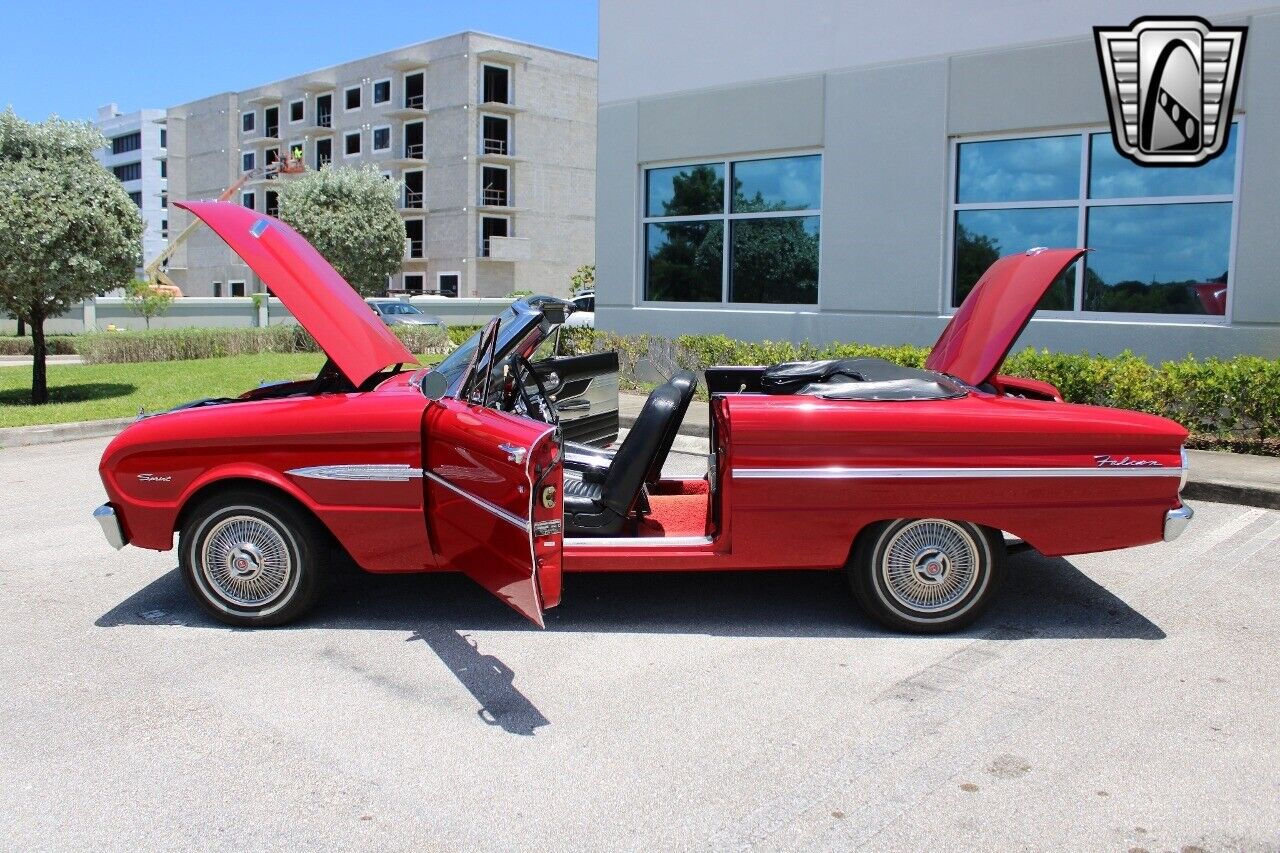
(1176, 521)
(106, 516)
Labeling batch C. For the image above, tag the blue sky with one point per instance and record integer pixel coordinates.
(71, 56)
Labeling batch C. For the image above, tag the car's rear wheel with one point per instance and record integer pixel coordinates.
(926, 575)
(252, 559)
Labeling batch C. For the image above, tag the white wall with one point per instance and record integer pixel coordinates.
(663, 46)
(151, 184)
(97, 315)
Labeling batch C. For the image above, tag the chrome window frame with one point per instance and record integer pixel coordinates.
(726, 217)
(1082, 203)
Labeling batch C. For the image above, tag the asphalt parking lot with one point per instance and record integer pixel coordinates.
(1107, 702)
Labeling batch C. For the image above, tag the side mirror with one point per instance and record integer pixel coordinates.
(434, 385)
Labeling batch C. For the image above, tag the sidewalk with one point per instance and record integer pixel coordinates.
(25, 360)
(1220, 477)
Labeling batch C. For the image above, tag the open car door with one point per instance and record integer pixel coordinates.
(584, 390)
(494, 486)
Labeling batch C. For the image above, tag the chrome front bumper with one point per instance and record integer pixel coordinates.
(1176, 521)
(106, 516)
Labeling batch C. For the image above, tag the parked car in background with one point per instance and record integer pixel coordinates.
(397, 312)
(584, 311)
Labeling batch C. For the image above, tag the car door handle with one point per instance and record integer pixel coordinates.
(514, 452)
(573, 405)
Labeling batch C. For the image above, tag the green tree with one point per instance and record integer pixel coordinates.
(699, 191)
(68, 230)
(685, 257)
(974, 253)
(146, 301)
(775, 260)
(772, 260)
(349, 214)
(583, 278)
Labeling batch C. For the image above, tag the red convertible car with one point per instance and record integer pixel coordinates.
(910, 480)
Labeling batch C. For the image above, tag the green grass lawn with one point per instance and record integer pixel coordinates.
(92, 392)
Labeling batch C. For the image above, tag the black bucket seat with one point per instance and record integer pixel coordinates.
(601, 503)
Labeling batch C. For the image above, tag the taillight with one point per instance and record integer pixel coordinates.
(1186, 470)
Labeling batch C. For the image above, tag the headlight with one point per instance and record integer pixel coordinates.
(1186, 470)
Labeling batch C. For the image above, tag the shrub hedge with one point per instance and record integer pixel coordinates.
(1225, 403)
(55, 344)
(1232, 403)
(193, 343)
(459, 334)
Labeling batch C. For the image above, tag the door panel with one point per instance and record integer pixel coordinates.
(485, 476)
(585, 390)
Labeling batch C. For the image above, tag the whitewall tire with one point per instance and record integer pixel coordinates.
(252, 559)
(926, 575)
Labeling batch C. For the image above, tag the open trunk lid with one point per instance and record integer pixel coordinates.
(352, 335)
(985, 327)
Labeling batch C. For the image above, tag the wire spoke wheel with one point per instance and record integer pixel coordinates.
(930, 565)
(246, 561)
(251, 558)
(925, 575)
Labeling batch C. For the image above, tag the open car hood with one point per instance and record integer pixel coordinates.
(983, 330)
(351, 334)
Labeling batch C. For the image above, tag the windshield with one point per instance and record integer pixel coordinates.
(456, 362)
(521, 328)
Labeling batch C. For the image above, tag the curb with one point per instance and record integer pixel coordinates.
(54, 433)
(696, 430)
(1231, 493)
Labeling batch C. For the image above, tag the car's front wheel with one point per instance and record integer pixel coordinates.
(926, 575)
(252, 559)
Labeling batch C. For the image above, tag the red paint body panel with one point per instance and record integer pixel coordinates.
(974, 344)
(1057, 515)
(765, 518)
(357, 340)
(381, 524)
(485, 533)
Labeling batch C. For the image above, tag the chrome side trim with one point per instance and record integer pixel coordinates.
(1176, 521)
(106, 516)
(497, 511)
(380, 473)
(836, 473)
(639, 541)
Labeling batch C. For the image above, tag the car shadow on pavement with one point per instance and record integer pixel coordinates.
(1042, 598)
(490, 681)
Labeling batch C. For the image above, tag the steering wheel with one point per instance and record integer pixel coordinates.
(543, 409)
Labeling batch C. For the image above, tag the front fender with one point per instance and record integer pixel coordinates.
(151, 520)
